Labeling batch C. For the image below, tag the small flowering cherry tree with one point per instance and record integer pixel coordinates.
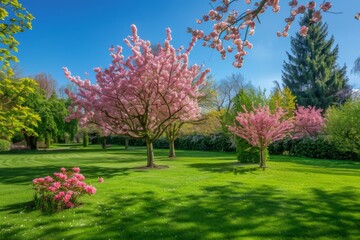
(260, 127)
(308, 122)
(139, 96)
(233, 27)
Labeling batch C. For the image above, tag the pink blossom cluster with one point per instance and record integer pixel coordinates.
(261, 127)
(233, 27)
(308, 122)
(301, 9)
(142, 94)
(65, 187)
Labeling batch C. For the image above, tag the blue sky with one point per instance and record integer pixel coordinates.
(78, 33)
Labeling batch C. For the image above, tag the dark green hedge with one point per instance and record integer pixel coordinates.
(218, 142)
(312, 148)
(213, 142)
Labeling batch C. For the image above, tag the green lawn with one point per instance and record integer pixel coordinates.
(202, 195)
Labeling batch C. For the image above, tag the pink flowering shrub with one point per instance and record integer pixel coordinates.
(61, 191)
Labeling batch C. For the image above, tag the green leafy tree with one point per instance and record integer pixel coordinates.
(342, 125)
(15, 115)
(311, 71)
(59, 112)
(46, 127)
(52, 112)
(13, 19)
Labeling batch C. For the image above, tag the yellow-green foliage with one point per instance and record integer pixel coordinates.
(5, 145)
(284, 99)
(13, 19)
(15, 117)
(210, 124)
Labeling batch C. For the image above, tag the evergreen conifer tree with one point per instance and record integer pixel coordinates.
(311, 71)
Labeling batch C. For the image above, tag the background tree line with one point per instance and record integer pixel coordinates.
(31, 110)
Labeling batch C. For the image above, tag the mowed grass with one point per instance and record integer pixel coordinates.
(202, 195)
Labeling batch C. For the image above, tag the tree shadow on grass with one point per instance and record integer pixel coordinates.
(253, 168)
(342, 164)
(225, 212)
(206, 154)
(320, 166)
(326, 170)
(16, 208)
(216, 212)
(136, 151)
(221, 167)
(226, 167)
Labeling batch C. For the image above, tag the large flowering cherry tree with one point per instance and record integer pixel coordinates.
(232, 27)
(139, 96)
(261, 127)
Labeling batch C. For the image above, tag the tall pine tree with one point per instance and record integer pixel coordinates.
(311, 71)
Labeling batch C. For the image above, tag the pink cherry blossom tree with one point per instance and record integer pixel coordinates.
(231, 28)
(261, 127)
(308, 122)
(141, 95)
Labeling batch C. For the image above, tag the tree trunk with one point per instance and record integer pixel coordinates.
(47, 140)
(150, 153)
(126, 143)
(262, 158)
(103, 142)
(27, 140)
(31, 141)
(86, 139)
(172, 148)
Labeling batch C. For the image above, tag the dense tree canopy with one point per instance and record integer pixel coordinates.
(52, 114)
(15, 115)
(343, 126)
(25, 110)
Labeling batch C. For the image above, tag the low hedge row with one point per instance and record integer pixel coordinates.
(306, 147)
(311, 147)
(218, 142)
(213, 142)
